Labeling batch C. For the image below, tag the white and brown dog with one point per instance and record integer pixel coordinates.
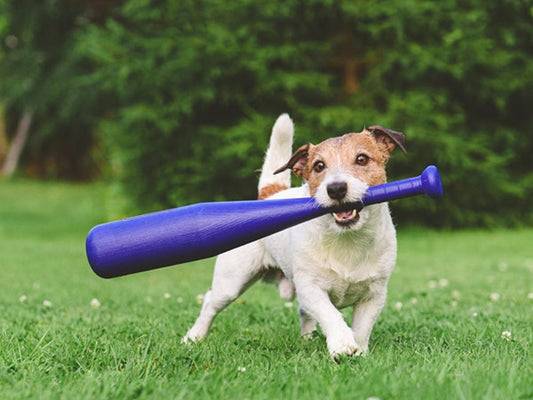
(334, 261)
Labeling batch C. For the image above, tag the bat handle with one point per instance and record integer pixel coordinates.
(427, 183)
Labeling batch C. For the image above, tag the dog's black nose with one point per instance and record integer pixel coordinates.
(337, 190)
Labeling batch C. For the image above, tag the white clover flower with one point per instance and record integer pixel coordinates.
(288, 304)
(443, 282)
(474, 314)
(95, 303)
(179, 300)
(373, 398)
(200, 298)
(241, 369)
(47, 303)
(530, 295)
(23, 298)
(506, 335)
(398, 305)
(494, 296)
(414, 300)
(432, 284)
(456, 295)
(166, 295)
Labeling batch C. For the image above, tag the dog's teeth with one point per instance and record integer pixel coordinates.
(343, 217)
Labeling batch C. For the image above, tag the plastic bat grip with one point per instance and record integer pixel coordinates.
(428, 183)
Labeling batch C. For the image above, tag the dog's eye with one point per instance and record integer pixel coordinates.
(362, 159)
(319, 166)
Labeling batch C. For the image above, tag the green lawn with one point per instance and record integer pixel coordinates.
(444, 342)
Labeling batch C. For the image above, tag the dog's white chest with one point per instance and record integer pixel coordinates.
(349, 268)
(348, 286)
(346, 274)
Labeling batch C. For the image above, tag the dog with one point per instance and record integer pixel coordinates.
(335, 261)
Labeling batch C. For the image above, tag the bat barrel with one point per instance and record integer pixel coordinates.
(189, 233)
(428, 183)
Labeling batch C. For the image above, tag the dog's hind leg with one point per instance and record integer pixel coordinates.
(285, 288)
(307, 324)
(235, 271)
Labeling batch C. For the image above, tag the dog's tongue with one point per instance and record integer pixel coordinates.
(344, 214)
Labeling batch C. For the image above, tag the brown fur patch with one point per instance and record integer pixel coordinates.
(341, 152)
(270, 190)
(297, 161)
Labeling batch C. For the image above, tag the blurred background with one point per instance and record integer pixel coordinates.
(171, 102)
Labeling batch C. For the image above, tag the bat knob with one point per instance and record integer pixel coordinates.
(431, 182)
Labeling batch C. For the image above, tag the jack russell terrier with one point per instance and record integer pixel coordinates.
(334, 261)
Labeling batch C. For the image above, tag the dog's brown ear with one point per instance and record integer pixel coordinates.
(389, 138)
(297, 162)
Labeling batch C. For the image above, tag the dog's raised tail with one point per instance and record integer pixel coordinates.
(278, 152)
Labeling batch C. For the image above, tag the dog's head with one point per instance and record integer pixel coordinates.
(340, 169)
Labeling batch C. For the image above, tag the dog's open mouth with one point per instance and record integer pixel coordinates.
(346, 218)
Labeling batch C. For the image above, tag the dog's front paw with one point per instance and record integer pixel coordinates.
(363, 349)
(343, 343)
(362, 342)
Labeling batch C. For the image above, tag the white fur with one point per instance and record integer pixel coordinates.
(278, 153)
(331, 267)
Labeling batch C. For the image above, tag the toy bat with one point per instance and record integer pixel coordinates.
(203, 230)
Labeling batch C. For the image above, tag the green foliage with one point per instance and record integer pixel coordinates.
(199, 87)
(446, 346)
(44, 70)
(187, 92)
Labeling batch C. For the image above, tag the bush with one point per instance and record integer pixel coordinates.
(199, 85)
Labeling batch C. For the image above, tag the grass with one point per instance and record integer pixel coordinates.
(129, 347)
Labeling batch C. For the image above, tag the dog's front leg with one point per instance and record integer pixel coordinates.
(315, 302)
(365, 315)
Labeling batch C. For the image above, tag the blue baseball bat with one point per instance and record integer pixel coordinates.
(204, 230)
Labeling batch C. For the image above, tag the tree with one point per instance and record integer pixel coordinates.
(181, 95)
(17, 145)
(51, 106)
(198, 86)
